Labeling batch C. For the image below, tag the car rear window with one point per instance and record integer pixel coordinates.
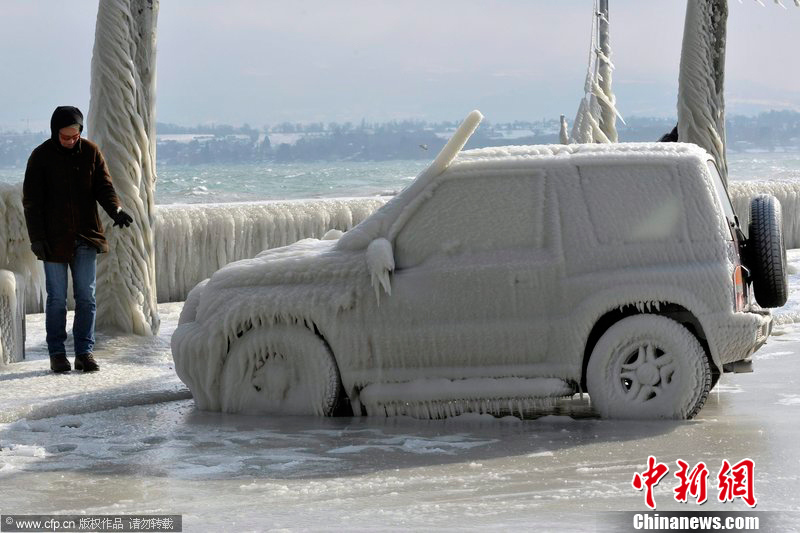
(722, 192)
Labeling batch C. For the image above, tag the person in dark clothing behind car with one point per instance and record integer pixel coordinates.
(65, 179)
(671, 137)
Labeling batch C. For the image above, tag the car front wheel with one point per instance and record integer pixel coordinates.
(648, 366)
(280, 369)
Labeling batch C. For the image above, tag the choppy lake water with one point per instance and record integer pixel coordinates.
(245, 182)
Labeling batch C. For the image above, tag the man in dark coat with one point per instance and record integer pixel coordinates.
(65, 179)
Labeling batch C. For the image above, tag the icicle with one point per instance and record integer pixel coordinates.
(380, 262)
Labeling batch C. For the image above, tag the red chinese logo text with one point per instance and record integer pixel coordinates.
(649, 479)
(733, 482)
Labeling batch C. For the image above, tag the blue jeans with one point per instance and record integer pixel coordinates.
(83, 267)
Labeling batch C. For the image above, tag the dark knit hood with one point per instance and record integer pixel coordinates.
(64, 116)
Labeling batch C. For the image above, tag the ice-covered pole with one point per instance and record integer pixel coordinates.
(122, 122)
(701, 103)
(597, 112)
(608, 112)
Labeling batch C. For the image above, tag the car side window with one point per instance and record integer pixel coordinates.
(468, 214)
(634, 203)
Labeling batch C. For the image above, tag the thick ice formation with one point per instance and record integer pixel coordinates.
(474, 295)
(701, 100)
(787, 193)
(12, 317)
(194, 241)
(701, 81)
(380, 262)
(597, 112)
(122, 122)
(433, 398)
(605, 93)
(15, 247)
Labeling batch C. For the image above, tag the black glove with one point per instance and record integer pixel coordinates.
(122, 219)
(41, 250)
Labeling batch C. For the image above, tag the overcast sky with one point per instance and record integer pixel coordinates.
(264, 62)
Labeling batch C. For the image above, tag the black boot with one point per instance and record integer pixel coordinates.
(86, 362)
(59, 363)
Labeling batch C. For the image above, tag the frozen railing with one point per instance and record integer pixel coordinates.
(787, 193)
(194, 241)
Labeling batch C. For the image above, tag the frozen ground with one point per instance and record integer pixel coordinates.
(128, 440)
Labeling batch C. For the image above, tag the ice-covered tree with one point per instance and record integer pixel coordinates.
(701, 102)
(122, 122)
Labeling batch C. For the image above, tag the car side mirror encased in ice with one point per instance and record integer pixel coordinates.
(380, 263)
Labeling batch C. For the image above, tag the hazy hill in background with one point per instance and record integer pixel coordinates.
(290, 142)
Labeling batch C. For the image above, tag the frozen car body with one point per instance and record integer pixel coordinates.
(486, 282)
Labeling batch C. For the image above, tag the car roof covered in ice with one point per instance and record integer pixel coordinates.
(501, 158)
(601, 153)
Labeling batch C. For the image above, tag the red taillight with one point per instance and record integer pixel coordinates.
(740, 287)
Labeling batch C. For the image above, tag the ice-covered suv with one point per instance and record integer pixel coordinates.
(500, 277)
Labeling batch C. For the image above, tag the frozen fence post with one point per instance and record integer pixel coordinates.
(122, 123)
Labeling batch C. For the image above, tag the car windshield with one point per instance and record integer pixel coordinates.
(722, 193)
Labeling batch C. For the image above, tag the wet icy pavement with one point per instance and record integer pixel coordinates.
(134, 371)
(112, 455)
(250, 473)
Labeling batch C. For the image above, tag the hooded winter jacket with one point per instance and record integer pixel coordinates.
(62, 188)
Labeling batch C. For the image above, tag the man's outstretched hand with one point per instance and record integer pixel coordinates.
(122, 219)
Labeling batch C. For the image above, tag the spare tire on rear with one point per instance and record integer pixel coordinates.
(767, 253)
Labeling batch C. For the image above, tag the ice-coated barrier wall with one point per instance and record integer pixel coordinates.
(192, 241)
(15, 247)
(787, 193)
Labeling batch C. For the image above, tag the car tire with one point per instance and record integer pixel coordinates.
(280, 369)
(767, 252)
(648, 366)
